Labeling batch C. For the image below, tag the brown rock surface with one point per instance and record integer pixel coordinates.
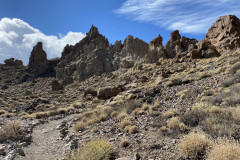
(225, 33)
(156, 50)
(56, 85)
(177, 44)
(108, 92)
(13, 62)
(38, 62)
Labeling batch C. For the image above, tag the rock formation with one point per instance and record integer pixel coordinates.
(156, 50)
(39, 65)
(93, 56)
(177, 44)
(38, 62)
(13, 62)
(225, 33)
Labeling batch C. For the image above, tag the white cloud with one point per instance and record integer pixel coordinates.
(17, 39)
(189, 16)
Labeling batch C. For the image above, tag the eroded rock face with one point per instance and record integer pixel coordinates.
(38, 62)
(178, 44)
(13, 62)
(225, 33)
(156, 50)
(87, 58)
(94, 56)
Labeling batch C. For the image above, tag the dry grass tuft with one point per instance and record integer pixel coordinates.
(194, 145)
(93, 150)
(174, 123)
(79, 126)
(224, 149)
(125, 123)
(131, 129)
(170, 113)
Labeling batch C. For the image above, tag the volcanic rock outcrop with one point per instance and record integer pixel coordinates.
(13, 62)
(39, 65)
(93, 56)
(38, 62)
(156, 50)
(225, 33)
(178, 44)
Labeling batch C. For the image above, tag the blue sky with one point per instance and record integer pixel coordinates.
(61, 22)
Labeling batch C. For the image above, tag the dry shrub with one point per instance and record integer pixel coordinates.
(170, 113)
(194, 145)
(174, 123)
(131, 129)
(194, 116)
(40, 115)
(93, 150)
(11, 131)
(79, 126)
(164, 129)
(95, 129)
(125, 123)
(122, 115)
(124, 143)
(235, 68)
(224, 149)
(215, 109)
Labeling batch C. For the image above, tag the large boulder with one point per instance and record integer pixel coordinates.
(38, 62)
(56, 86)
(224, 34)
(108, 92)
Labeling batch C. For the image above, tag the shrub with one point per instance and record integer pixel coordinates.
(25, 77)
(11, 131)
(174, 123)
(79, 126)
(170, 113)
(93, 150)
(194, 145)
(125, 123)
(224, 150)
(235, 68)
(193, 117)
(131, 129)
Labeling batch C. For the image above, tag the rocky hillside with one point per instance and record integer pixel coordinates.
(126, 101)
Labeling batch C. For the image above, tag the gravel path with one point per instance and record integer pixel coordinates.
(46, 143)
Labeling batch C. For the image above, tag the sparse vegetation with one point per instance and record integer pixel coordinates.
(93, 150)
(194, 145)
(11, 131)
(224, 149)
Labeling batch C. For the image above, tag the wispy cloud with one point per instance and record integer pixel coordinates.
(189, 16)
(17, 39)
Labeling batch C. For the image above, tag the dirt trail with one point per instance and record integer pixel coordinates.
(46, 144)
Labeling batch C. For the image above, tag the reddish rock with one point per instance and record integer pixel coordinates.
(108, 92)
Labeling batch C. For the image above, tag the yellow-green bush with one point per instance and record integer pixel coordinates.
(93, 150)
